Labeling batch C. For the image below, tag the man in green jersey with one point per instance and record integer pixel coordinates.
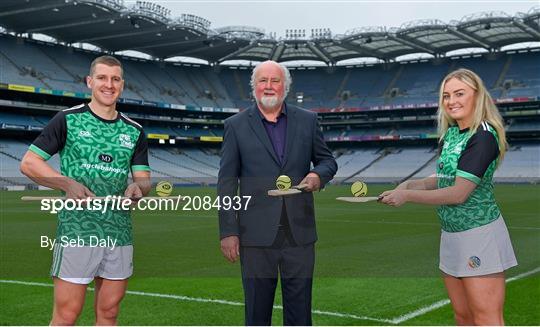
(98, 147)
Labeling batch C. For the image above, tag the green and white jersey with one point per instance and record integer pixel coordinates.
(99, 154)
(473, 157)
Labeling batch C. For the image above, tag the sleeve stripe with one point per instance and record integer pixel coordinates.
(74, 108)
(140, 167)
(39, 152)
(469, 176)
(131, 120)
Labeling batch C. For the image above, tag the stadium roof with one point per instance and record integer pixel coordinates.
(148, 28)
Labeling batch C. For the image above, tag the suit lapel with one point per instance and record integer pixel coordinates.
(258, 128)
(291, 132)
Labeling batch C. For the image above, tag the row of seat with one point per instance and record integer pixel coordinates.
(200, 166)
(63, 68)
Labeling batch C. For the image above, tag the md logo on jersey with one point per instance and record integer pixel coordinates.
(125, 141)
(85, 134)
(105, 158)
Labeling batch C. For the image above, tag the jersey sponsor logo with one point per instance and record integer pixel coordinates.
(474, 262)
(106, 158)
(125, 141)
(85, 134)
(104, 168)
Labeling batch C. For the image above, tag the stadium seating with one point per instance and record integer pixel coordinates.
(11, 153)
(397, 164)
(206, 157)
(521, 164)
(58, 67)
(20, 120)
(194, 166)
(200, 166)
(489, 69)
(180, 168)
(523, 76)
(354, 161)
(418, 83)
(525, 125)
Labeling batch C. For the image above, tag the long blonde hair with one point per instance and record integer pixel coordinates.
(485, 109)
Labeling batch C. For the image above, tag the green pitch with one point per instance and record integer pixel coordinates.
(375, 265)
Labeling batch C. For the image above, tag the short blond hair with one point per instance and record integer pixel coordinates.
(106, 60)
(484, 109)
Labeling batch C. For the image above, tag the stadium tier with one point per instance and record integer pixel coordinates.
(375, 165)
(56, 67)
(390, 107)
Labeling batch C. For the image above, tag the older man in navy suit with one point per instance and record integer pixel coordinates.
(273, 236)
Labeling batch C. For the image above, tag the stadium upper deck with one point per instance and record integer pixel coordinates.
(149, 28)
(28, 64)
(34, 71)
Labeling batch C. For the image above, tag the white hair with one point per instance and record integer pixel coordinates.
(286, 75)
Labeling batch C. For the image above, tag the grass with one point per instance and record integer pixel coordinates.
(371, 261)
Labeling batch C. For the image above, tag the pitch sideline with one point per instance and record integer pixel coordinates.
(395, 321)
(442, 303)
(203, 300)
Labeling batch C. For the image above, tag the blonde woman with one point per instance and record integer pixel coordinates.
(475, 246)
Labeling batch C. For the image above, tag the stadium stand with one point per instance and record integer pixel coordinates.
(55, 67)
(22, 121)
(522, 77)
(192, 168)
(523, 124)
(397, 164)
(354, 161)
(60, 68)
(11, 153)
(521, 164)
(418, 83)
(19, 71)
(204, 157)
(366, 86)
(377, 117)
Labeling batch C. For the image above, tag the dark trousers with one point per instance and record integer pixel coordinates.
(260, 269)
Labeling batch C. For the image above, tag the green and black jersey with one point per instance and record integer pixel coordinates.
(99, 154)
(473, 157)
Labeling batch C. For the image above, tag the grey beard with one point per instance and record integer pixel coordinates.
(269, 102)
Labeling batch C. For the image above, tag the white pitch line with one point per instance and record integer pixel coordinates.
(348, 315)
(442, 303)
(167, 296)
(185, 298)
(394, 321)
(203, 300)
(523, 275)
(419, 312)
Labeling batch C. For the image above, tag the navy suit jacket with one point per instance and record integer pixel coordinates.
(249, 167)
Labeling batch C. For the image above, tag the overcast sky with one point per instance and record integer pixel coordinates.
(339, 16)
